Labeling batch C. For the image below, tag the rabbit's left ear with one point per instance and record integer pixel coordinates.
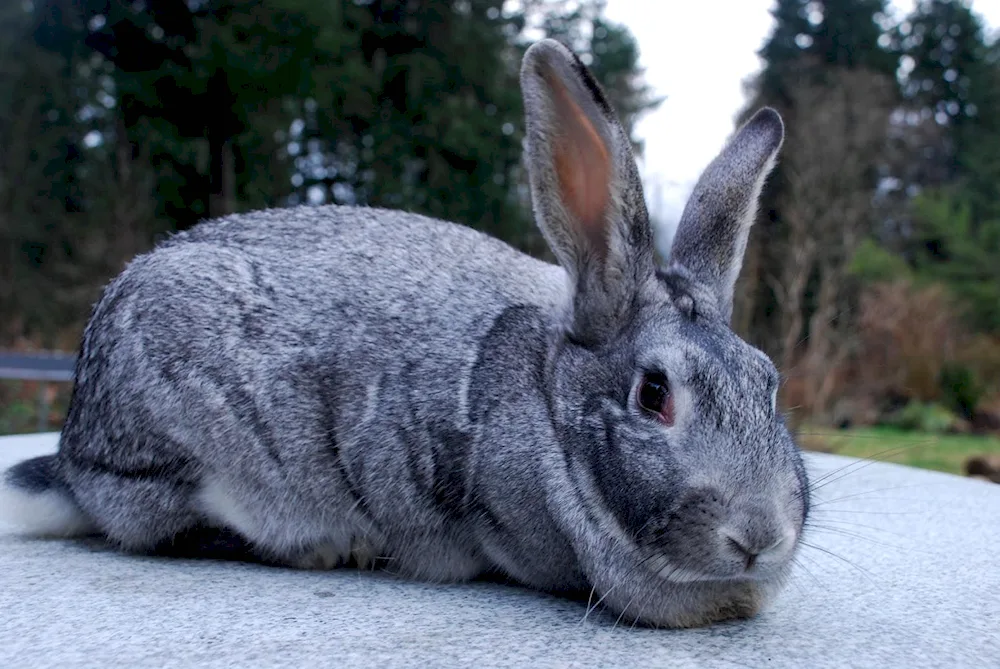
(585, 189)
(712, 235)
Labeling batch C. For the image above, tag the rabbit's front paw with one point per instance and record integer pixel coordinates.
(359, 551)
(364, 552)
(322, 557)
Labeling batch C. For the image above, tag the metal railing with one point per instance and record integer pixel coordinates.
(43, 366)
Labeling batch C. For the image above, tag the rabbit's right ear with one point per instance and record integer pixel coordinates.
(585, 189)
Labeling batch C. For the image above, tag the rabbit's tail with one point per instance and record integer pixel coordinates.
(36, 502)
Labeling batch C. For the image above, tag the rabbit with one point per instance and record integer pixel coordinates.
(332, 386)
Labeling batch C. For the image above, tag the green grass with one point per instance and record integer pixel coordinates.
(941, 452)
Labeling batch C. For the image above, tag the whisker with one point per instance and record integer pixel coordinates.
(797, 562)
(858, 535)
(866, 492)
(622, 614)
(873, 513)
(610, 590)
(645, 600)
(811, 523)
(870, 437)
(858, 465)
(641, 563)
(590, 598)
(867, 574)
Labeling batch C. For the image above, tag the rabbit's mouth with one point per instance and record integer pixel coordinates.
(719, 561)
(751, 571)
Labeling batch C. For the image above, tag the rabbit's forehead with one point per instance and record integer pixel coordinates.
(677, 287)
(708, 353)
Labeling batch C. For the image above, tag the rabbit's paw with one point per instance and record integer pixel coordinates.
(324, 556)
(364, 552)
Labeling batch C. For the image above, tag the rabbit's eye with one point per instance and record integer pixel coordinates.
(654, 397)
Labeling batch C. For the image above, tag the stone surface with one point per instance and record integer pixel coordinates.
(905, 573)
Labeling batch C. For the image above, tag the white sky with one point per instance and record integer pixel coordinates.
(698, 54)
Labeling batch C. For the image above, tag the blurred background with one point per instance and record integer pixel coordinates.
(872, 276)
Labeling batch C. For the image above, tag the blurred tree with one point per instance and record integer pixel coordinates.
(437, 125)
(196, 84)
(814, 48)
(429, 118)
(961, 251)
(826, 34)
(38, 154)
(124, 120)
(889, 161)
(836, 140)
(948, 100)
(947, 171)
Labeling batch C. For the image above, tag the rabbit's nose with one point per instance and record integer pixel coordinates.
(753, 535)
(748, 549)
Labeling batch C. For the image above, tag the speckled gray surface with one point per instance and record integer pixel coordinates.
(923, 591)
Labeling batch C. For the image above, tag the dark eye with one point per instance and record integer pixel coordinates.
(655, 398)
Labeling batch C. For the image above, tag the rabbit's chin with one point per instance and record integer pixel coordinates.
(657, 602)
(635, 593)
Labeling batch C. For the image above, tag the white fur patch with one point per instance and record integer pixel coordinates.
(219, 505)
(282, 528)
(48, 514)
(371, 401)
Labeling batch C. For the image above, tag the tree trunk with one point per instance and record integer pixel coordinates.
(221, 132)
(797, 273)
(746, 289)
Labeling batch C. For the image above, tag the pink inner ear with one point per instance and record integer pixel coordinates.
(583, 166)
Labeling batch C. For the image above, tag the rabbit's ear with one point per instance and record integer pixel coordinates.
(585, 189)
(712, 234)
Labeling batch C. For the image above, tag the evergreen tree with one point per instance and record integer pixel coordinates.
(941, 51)
(431, 121)
(960, 251)
(951, 90)
(39, 153)
(823, 34)
(123, 120)
(193, 83)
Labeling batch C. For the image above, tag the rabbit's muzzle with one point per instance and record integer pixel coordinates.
(711, 537)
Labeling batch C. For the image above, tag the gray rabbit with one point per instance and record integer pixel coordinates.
(329, 386)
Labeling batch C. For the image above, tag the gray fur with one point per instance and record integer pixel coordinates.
(337, 385)
(712, 234)
(605, 271)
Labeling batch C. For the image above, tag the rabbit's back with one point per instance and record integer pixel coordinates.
(274, 283)
(322, 267)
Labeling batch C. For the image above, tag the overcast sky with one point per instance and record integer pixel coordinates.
(698, 54)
